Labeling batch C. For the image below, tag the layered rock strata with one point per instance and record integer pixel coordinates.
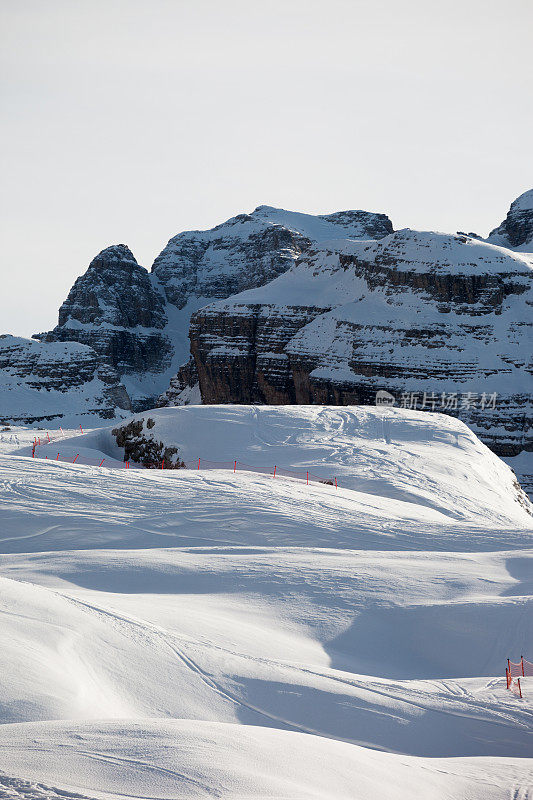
(56, 382)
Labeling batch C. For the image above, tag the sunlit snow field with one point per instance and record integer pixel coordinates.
(195, 634)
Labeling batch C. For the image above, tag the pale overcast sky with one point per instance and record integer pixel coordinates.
(131, 120)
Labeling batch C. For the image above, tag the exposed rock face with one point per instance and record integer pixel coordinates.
(184, 388)
(115, 309)
(56, 382)
(245, 252)
(516, 231)
(440, 321)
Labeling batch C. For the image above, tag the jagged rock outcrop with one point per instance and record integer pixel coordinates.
(141, 447)
(440, 320)
(115, 309)
(516, 231)
(56, 382)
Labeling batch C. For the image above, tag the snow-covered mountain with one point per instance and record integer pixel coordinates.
(327, 308)
(138, 321)
(57, 383)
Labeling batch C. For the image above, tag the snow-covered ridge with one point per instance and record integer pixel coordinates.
(428, 455)
(56, 382)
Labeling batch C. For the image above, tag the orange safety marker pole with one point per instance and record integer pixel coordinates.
(275, 468)
(235, 467)
(81, 429)
(163, 464)
(198, 463)
(101, 462)
(75, 459)
(57, 457)
(335, 483)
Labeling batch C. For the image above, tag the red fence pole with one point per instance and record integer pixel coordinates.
(48, 436)
(275, 471)
(81, 429)
(308, 478)
(57, 457)
(522, 661)
(335, 483)
(75, 459)
(519, 687)
(198, 463)
(507, 677)
(163, 464)
(101, 462)
(235, 467)
(509, 666)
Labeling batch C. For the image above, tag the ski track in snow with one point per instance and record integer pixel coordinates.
(205, 634)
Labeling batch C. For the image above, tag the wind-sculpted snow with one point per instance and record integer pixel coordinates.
(193, 633)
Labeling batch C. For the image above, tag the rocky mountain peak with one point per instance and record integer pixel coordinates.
(116, 255)
(115, 309)
(516, 231)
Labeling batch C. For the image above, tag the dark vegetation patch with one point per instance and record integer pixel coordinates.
(142, 449)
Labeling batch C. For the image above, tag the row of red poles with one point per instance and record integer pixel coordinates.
(127, 463)
(37, 442)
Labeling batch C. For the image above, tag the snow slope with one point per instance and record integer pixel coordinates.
(203, 633)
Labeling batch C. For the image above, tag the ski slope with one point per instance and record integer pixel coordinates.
(188, 633)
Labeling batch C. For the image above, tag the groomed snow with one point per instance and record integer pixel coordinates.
(203, 634)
